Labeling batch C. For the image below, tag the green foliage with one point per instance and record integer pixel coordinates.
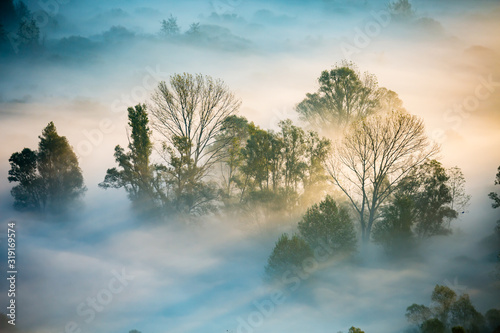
(288, 256)
(417, 314)
(327, 225)
(169, 27)
(401, 9)
(492, 317)
(432, 200)
(355, 330)
(465, 314)
(433, 325)
(344, 95)
(136, 174)
(49, 178)
(494, 196)
(422, 204)
(444, 298)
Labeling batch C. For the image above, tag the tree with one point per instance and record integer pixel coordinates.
(194, 29)
(492, 317)
(194, 107)
(355, 330)
(457, 329)
(374, 156)
(190, 114)
(141, 179)
(456, 182)
(401, 9)
(287, 256)
(494, 196)
(433, 200)
(317, 151)
(49, 178)
(433, 325)
(344, 95)
(169, 27)
(327, 225)
(30, 194)
(465, 314)
(233, 136)
(417, 314)
(443, 298)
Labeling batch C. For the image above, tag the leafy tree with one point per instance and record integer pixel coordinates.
(344, 95)
(433, 200)
(443, 298)
(433, 325)
(373, 157)
(233, 137)
(401, 9)
(492, 317)
(30, 194)
(326, 224)
(194, 29)
(49, 178)
(314, 177)
(169, 27)
(465, 314)
(393, 231)
(288, 255)
(141, 179)
(355, 330)
(494, 196)
(417, 314)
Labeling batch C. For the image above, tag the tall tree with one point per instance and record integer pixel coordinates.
(194, 107)
(328, 225)
(288, 255)
(433, 200)
(49, 178)
(345, 95)
(494, 196)
(374, 156)
(142, 180)
(169, 27)
(30, 194)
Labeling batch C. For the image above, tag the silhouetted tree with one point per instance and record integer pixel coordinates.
(288, 255)
(374, 156)
(143, 181)
(463, 313)
(345, 95)
(328, 225)
(494, 196)
(417, 314)
(433, 325)
(49, 178)
(492, 317)
(169, 27)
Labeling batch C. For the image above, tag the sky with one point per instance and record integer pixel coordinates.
(99, 58)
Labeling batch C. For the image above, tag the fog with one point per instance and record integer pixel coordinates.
(206, 275)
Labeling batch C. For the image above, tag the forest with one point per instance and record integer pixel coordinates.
(349, 188)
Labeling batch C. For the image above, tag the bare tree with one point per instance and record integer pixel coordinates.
(193, 107)
(375, 154)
